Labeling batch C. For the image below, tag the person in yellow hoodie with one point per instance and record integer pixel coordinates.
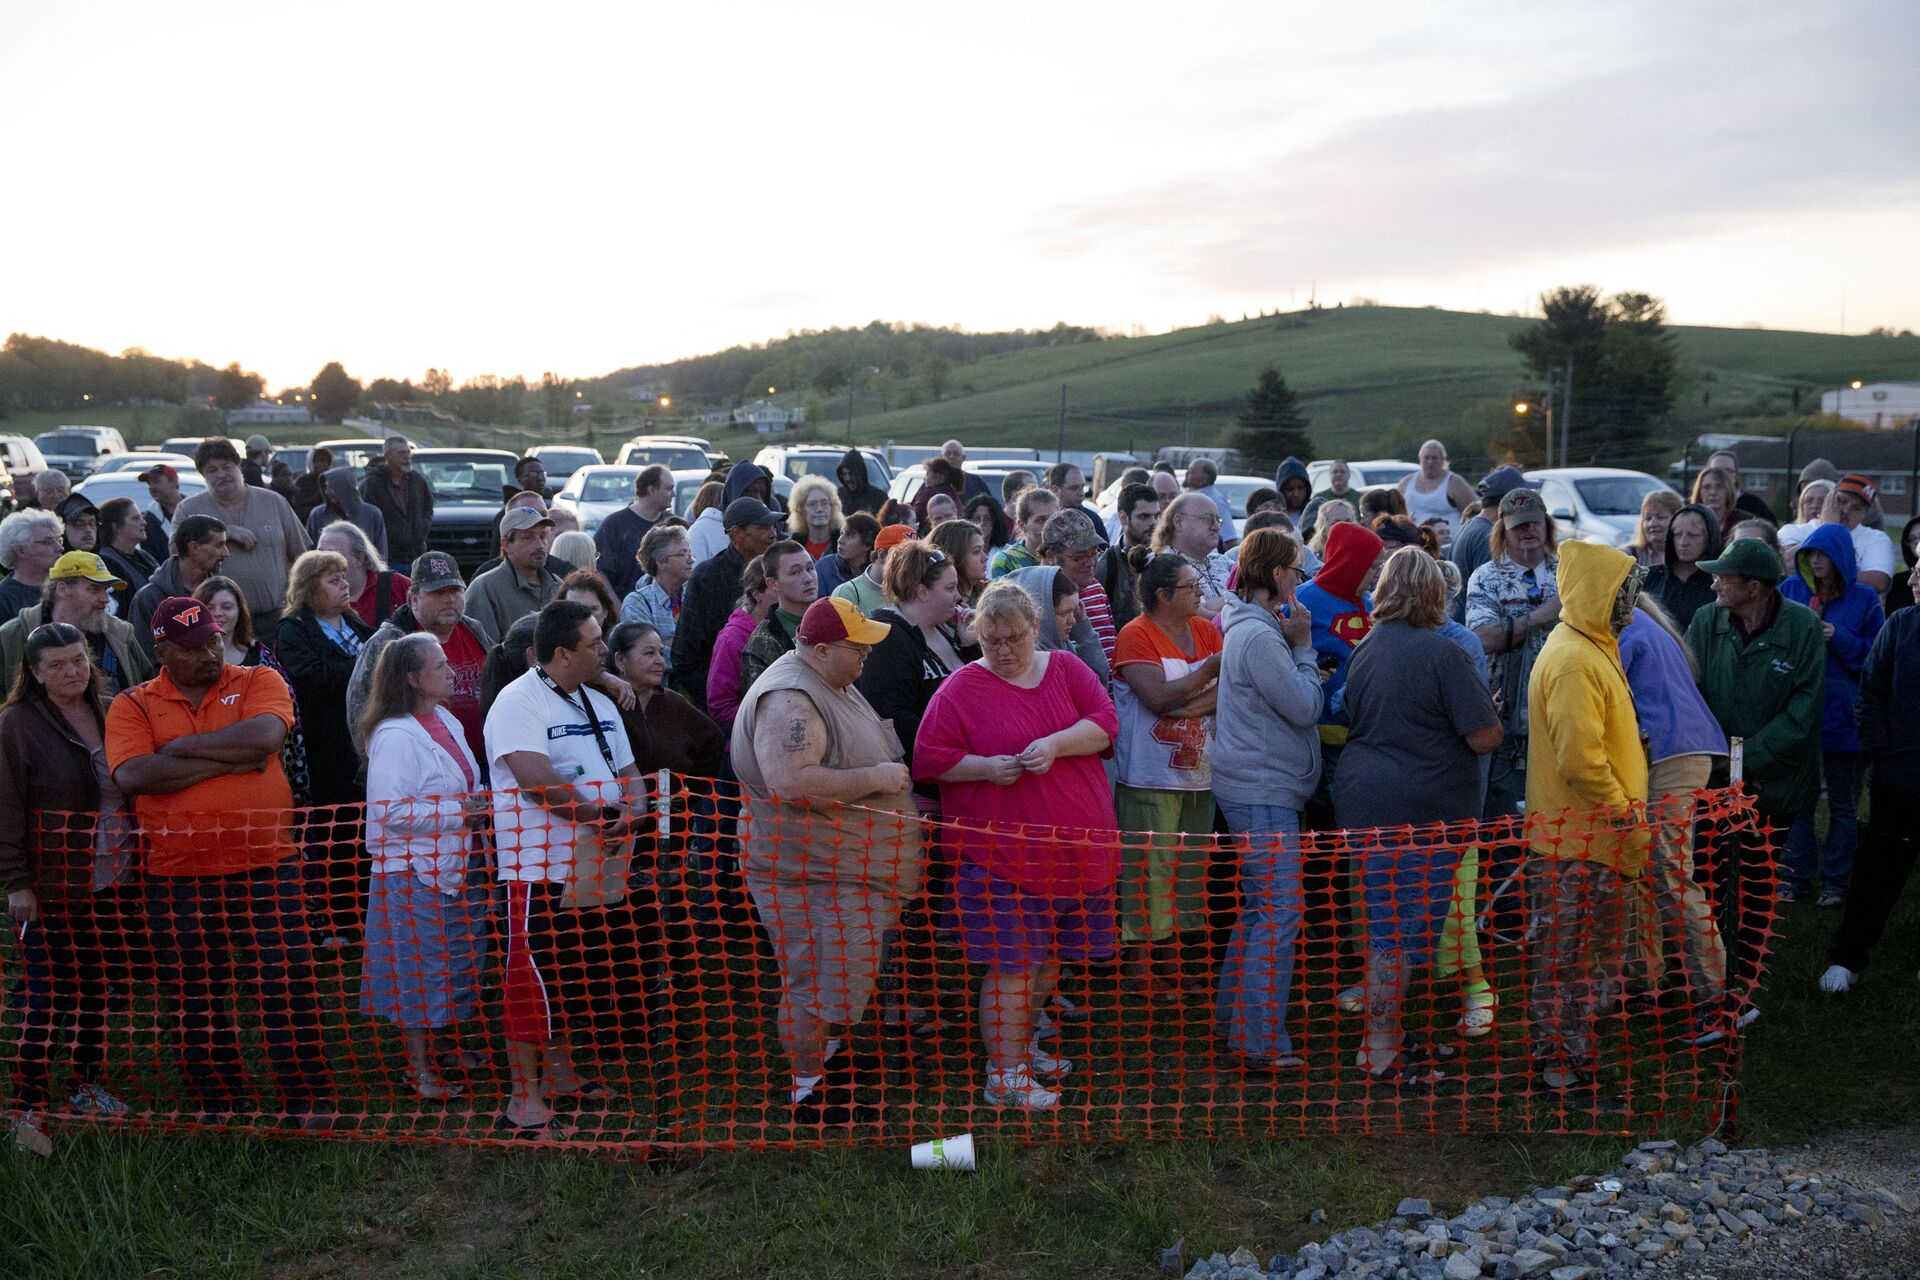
(1586, 792)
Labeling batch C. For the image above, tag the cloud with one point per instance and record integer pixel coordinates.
(1726, 124)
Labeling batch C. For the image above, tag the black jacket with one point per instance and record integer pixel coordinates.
(863, 496)
(902, 675)
(1116, 579)
(406, 530)
(319, 672)
(1682, 598)
(705, 605)
(1890, 703)
(134, 570)
(164, 582)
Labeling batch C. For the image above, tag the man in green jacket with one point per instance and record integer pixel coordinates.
(1762, 665)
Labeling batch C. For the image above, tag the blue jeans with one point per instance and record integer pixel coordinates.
(203, 927)
(1843, 830)
(1256, 981)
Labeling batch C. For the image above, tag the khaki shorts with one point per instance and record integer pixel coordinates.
(826, 934)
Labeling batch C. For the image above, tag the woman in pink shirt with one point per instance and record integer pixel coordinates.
(1015, 741)
(723, 676)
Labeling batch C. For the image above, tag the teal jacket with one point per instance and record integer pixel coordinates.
(1768, 691)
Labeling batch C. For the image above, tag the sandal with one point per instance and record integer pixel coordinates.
(589, 1091)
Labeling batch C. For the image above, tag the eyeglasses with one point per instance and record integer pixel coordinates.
(1193, 586)
(1212, 522)
(862, 649)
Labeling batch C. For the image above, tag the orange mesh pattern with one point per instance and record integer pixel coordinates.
(250, 1004)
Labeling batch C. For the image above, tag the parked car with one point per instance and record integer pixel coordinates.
(100, 489)
(595, 492)
(295, 456)
(23, 460)
(468, 487)
(905, 486)
(135, 463)
(1371, 474)
(1237, 489)
(796, 460)
(75, 451)
(563, 461)
(358, 453)
(1595, 504)
(677, 453)
(188, 444)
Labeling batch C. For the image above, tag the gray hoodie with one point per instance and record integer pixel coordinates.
(1266, 746)
(1084, 643)
(343, 502)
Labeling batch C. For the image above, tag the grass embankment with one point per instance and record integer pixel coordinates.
(114, 1205)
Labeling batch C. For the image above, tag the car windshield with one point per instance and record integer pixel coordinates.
(1367, 477)
(464, 479)
(674, 457)
(608, 486)
(69, 446)
(684, 492)
(1616, 495)
(1237, 492)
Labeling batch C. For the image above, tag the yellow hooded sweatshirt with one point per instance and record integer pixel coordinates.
(1585, 760)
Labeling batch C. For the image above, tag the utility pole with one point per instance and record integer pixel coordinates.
(1566, 414)
(1060, 452)
(849, 404)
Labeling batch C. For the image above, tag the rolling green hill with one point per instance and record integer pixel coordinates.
(1372, 379)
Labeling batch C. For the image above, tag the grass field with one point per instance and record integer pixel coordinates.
(117, 1205)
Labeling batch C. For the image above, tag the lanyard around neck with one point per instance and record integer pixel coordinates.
(585, 708)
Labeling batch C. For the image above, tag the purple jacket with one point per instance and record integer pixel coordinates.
(723, 674)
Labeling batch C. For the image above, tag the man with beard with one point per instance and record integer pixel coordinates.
(1139, 508)
(523, 582)
(78, 588)
(436, 603)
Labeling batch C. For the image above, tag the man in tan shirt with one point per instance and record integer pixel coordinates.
(264, 537)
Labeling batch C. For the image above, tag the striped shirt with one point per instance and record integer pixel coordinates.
(1093, 599)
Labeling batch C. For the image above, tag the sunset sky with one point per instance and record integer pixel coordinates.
(511, 188)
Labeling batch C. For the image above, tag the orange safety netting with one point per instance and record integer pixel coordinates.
(275, 1000)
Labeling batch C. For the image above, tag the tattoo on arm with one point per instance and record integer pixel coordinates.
(796, 734)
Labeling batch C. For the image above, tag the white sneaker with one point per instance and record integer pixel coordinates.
(1046, 1063)
(1351, 999)
(1837, 979)
(28, 1135)
(92, 1097)
(1044, 1026)
(1018, 1088)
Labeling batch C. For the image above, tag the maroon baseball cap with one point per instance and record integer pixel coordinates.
(185, 621)
(158, 469)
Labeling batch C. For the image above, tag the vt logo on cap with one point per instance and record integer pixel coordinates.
(188, 618)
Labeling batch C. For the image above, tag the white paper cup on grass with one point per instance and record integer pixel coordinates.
(945, 1153)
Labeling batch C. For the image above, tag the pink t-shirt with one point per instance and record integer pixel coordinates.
(1052, 834)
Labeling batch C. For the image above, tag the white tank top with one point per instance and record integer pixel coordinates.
(1433, 505)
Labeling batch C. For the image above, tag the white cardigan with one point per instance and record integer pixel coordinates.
(416, 819)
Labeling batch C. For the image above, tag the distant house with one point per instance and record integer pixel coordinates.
(267, 413)
(1880, 405)
(765, 416)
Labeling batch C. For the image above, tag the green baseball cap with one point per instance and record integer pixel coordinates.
(1746, 558)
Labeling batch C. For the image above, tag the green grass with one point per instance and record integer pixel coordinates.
(113, 1205)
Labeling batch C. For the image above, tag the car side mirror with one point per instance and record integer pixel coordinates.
(1561, 513)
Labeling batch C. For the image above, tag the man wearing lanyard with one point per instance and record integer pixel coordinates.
(563, 773)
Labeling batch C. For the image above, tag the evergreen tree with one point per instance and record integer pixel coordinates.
(1271, 426)
(1624, 368)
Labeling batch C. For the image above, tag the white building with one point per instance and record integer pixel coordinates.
(765, 416)
(1874, 404)
(264, 412)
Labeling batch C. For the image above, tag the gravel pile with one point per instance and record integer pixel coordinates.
(1664, 1213)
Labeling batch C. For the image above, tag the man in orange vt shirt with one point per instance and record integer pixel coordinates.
(198, 749)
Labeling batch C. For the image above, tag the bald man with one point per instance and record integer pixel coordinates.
(956, 453)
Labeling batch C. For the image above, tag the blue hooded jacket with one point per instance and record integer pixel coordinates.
(1856, 617)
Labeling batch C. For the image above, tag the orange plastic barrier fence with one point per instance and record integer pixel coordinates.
(658, 984)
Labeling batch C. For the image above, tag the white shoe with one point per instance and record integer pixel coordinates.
(1837, 979)
(1351, 999)
(94, 1099)
(1018, 1088)
(28, 1135)
(1044, 1026)
(1046, 1063)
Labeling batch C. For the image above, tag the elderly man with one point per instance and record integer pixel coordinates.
(1513, 604)
(1202, 474)
(264, 538)
(437, 604)
(50, 489)
(199, 552)
(1762, 661)
(78, 588)
(1852, 499)
(403, 497)
(522, 583)
(826, 865)
(1068, 483)
(198, 750)
(1138, 512)
(29, 544)
(975, 486)
(617, 540)
(708, 599)
(563, 775)
(1586, 788)
(1071, 542)
(1752, 504)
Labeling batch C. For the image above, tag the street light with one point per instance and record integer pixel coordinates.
(1522, 408)
(666, 402)
(769, 390)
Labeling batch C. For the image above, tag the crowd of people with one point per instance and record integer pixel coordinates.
(993, 722)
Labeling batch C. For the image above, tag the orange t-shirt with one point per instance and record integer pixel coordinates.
(1161, 753)
(226, 825)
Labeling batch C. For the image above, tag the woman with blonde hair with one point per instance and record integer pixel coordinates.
(813, 515)
(1420, 718)
(1657, 509)
(1713, 489)
(1332, 512)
